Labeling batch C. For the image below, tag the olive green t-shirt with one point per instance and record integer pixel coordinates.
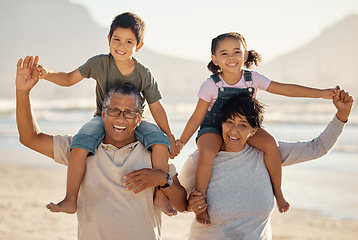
(104, 70)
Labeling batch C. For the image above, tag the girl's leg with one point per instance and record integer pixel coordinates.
(209, 145)
(264, 141)
(75, 171)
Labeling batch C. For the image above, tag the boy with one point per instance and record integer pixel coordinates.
(125, 38)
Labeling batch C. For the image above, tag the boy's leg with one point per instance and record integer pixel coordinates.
(85, 142)
(160, 158)
(264, 141)
(158, 143)
(75, 171)
(209, 145)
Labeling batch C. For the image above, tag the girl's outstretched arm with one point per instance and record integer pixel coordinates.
(194, 121)
(294, 90)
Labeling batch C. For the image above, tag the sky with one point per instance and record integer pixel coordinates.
(185, 28)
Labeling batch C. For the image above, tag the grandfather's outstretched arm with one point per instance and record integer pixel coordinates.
(29, 132)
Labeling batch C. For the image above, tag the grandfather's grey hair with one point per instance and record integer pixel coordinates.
(127, 90)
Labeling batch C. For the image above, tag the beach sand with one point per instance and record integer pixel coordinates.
(24, 192)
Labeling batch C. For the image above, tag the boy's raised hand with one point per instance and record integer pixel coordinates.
(38, 71)
(24, 80)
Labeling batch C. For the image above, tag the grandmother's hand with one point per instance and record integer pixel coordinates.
(343, 101)
(196, 202)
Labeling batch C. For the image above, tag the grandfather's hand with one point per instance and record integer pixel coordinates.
(138, 180)
(197, 203)
(24, 80)
(343, 101)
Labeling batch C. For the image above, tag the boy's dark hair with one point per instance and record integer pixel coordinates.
(245, 105)
(127, 90)
(129, 20)
(253, 58)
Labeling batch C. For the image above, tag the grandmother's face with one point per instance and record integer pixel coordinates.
(236, 131)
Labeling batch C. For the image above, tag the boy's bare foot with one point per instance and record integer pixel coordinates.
(66, 206)
(282, 204)
(203, 218)
(162, 201)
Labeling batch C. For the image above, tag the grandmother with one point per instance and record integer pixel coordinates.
(239, 197)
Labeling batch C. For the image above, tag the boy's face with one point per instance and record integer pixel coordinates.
(123, 44)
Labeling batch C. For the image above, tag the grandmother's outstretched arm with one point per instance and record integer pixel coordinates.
(296, 152)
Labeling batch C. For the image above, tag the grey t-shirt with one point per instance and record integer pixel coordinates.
(239, 195)
(104, 70)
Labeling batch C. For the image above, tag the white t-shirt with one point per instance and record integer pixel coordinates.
(106, 209)
(209, 89)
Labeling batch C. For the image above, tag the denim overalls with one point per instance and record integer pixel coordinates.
(213, 118)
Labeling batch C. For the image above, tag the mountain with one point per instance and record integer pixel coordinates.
(326, 61)
(64, 35)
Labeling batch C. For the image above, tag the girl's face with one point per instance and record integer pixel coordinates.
(230, 55)
(236, 131)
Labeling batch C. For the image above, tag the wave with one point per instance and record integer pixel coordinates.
(8, 106)
(284, 112)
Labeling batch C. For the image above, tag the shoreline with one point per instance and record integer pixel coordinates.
(25, 191)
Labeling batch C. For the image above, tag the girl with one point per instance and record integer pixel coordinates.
(228, 59)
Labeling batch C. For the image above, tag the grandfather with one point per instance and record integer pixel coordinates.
(116, 196)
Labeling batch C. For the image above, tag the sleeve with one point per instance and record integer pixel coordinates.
(187, 173)
(61, 148)
(172, 169)
(91, 68)
(207, 89)
(151, 91)
(260, 81)
(297, 152)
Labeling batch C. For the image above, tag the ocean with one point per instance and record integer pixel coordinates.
(328, 185)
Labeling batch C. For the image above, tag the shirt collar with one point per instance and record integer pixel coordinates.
(106, 146)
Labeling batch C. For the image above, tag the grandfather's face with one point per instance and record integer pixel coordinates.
(119, 131)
